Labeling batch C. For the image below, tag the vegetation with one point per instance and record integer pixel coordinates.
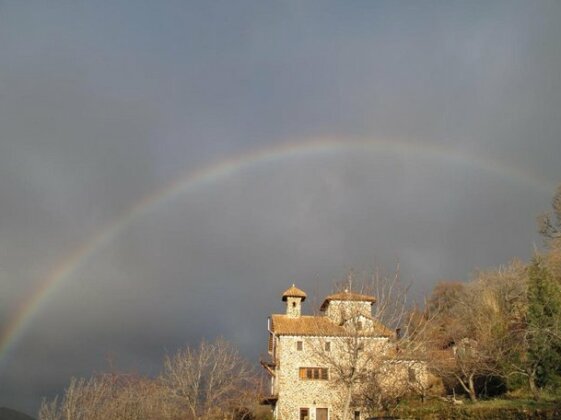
(496, 336)
(370, 373)
(544, 316)
(495, 339)
(503, 409)
(211, 381)
(501, 332)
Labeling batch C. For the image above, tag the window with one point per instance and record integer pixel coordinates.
(357, 415)
(299, 345)
(412, 374)
(313, 373)
(304, 414)
(328, 346)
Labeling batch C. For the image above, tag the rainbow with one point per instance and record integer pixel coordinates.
(206, 176)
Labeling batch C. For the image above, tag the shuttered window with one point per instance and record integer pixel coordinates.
(313, 373)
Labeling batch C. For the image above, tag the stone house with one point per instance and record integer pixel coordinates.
(313, 359)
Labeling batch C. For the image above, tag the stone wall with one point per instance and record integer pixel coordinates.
(295, 393)
(339, 310)
(293, 307)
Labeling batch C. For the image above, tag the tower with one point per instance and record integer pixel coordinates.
(293, 298)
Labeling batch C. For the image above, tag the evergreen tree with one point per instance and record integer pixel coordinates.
(550, 228)
(544, 316)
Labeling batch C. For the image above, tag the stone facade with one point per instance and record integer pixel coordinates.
(339, 311)
(305, 351)
(293, 392)
(293, 307)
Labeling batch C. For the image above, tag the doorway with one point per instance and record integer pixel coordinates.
(321, 414)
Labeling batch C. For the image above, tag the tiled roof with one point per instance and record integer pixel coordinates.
(319, 326)
(305, 325)
(346, 295)
(293, 291)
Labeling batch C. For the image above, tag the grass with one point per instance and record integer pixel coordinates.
(507, 407)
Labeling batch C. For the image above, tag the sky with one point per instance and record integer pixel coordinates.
(168, 169)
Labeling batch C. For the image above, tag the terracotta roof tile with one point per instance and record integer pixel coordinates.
(347, 296)
(293, 291)
(305, 325)
(319, 325)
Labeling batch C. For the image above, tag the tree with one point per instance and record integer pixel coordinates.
(550, 228)
(210, 380)
(109, 395)
(351, 361)
(469, 353)
(481, 327)
(363, 358)
(544, 324)
(550, 222)
(442, 307)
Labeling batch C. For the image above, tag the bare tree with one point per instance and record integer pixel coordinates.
(116, 396)
(364, 354)
(210, 380)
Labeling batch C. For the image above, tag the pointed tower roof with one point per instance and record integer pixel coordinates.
(293, 291)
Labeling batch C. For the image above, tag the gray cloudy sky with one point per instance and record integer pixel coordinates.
(103, 104)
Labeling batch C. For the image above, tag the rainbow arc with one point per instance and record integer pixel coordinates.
(208, 175)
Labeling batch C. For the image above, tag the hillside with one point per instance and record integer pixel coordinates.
(9, 414)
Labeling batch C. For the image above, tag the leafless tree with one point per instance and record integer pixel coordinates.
(210, 380)
(116, 396)
(364, 356)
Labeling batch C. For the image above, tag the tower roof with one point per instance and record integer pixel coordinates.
(293, 291)
(347, 296)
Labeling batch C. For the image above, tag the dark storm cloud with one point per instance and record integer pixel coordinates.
(102, 104)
